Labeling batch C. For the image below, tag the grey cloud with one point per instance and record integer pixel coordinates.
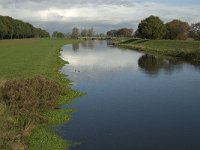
(98, 26)
(103, 15)
(30, 4)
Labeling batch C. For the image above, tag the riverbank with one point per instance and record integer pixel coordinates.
(26, 62)
(188, 50)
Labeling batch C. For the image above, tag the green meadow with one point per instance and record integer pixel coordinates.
(31, 61)
(189, 49)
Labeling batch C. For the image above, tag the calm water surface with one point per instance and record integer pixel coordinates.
(134, 101)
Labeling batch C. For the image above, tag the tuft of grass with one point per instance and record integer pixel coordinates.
(189, 50)
(44, 138)
(67, 96)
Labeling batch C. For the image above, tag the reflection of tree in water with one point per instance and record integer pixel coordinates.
(153, 65)
(88, 44)
(75, 47)
(150, 63)
(109, 43)
(101, 42)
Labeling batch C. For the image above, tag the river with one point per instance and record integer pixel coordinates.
(134, 101)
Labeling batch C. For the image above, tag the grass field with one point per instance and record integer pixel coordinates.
(22, 59)
(189, 49)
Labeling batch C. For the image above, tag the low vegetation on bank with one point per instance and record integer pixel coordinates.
(31, 90)
(189, 50)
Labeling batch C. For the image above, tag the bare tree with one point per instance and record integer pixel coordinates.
(91, 32)
(75, 32)
(84, 33)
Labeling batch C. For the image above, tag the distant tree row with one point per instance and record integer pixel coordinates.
(123, 32)
(57, 34)
(154, 28)
(90, 32)
(194, 31)
(12, 28)
(76, 32)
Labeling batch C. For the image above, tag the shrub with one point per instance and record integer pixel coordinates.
(29, 97)
(22, 103)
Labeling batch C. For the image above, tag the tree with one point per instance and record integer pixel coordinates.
(101, 35)
(3, 28)
(58, 34)
(194, 31)
(123, 32)
(112, 33)
(18, 28)
(75, 32)
(91, 32)
(177, 30)
(11, 28)
(152, 28)
(84, 33)
(68, 34)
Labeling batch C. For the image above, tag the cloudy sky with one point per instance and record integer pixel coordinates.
(103, 15)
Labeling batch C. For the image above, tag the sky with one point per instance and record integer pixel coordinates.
(102, 15)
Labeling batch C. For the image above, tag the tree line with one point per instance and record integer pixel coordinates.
(154, 28)
(16, 29)
(123, 32)
(76, 32)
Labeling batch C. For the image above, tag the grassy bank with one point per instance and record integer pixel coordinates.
(23, 62)
(189, 50)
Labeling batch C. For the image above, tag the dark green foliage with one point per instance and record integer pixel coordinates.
(123, 32)
(194, 31)
(58, 34)
(152, 28)
(177, 30)
(11, 28)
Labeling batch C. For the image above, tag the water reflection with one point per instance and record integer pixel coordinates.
(88, 44)
(109, 43)
(153, 65)
(75, 47)
(160, 113)
(112, 59)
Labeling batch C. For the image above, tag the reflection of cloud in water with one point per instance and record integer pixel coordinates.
(104, 62)
(105, 59)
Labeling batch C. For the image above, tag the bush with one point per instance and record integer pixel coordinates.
(22, 103)
(29, 97)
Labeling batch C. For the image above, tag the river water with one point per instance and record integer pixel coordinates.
(134, 101)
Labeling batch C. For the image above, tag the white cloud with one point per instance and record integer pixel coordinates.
(106, 12)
